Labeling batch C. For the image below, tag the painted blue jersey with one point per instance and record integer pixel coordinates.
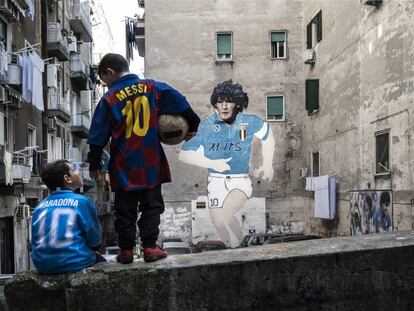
(220, 140)
(65, 228)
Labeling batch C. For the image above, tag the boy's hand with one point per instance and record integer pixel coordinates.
(94, 174)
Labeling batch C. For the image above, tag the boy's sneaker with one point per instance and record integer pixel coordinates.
(125, 256)
(154, 253)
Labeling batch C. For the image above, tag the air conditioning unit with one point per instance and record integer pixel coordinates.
(9, 10)
(52, 72)
(310, 56)
(51, 124)
(73, 45)
(23, 211)
(375, 3)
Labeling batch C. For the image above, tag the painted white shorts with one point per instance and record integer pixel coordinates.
(220, 185)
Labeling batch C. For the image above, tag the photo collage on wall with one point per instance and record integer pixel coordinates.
(370, 211)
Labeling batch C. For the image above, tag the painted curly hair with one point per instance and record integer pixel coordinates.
(230, 92)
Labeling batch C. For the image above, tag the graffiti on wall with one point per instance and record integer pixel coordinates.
(370, 211)
(223, 145)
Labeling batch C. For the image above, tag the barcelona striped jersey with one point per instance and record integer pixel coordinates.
(128, 115)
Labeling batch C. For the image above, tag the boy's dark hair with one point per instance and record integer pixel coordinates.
(52, 173)
(385, 198)
(116, 62)
(231, 93)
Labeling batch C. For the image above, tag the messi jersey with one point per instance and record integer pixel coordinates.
(220, 140)
(128, 114)
(64, 229)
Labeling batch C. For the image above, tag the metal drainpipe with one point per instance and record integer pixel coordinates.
(44, 18)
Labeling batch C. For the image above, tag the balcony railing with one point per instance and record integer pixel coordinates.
(57, 45)
(80, 125)
(58, 106)
(79, 70)
(80, 20)
(21, 169)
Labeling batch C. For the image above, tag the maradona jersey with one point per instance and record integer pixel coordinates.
(220, 140)
(128, 114)
(64, 229)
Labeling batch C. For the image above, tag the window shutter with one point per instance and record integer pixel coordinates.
(275, 106)
(309, 36)
(312, 95)
(223, 44)
(278, 36)
(319, 26)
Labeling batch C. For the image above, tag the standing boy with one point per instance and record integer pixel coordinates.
(128, 115)
(65, 227)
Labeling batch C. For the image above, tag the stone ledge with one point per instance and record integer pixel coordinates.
(347, 273)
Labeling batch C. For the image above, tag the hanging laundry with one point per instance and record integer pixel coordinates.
(27, 79)
(37, 84)
(7, 161)
(325, 195)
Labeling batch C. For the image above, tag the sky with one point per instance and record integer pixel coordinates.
(115, 15)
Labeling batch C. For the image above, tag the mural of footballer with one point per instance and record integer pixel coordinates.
(223, 145)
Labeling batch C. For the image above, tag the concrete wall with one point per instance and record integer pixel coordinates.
(372, 272)
(181, 49)
(365, 70)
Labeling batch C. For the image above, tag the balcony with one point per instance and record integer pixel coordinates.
(57, 45)
(80, 125)
(139, 34)
(9, 10)
(79, 71)
(80, 20)
(58, 107)
(19, 170)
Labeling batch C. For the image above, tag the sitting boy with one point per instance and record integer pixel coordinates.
(65, 227)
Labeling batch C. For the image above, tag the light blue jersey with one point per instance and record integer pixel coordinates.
(65, 227)
(220, 140)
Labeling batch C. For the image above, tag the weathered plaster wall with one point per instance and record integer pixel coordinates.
(365, 69)
(181, 48)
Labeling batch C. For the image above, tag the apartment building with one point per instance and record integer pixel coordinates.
(48, 92)
(333, 78)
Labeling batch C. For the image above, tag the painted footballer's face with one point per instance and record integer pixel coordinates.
(226, 110)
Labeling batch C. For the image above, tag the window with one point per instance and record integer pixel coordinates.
(382, 151)
(314, 31)
(31, 142)
(224, 46)
(315, 164)
(3, 32)
(275, 108)
(312, 95)
(278, 44)
(2, 129)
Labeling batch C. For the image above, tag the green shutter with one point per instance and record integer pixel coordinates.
(275, 106)
(223, 44)
(278, 36)
(319, 26)
(312, 95)
(3, 31)
(309, 36)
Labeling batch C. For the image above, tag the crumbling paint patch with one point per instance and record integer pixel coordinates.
(290, 227)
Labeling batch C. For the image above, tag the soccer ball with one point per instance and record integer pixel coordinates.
(172, 128)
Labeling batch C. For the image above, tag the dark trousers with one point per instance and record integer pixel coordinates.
(151, 206)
